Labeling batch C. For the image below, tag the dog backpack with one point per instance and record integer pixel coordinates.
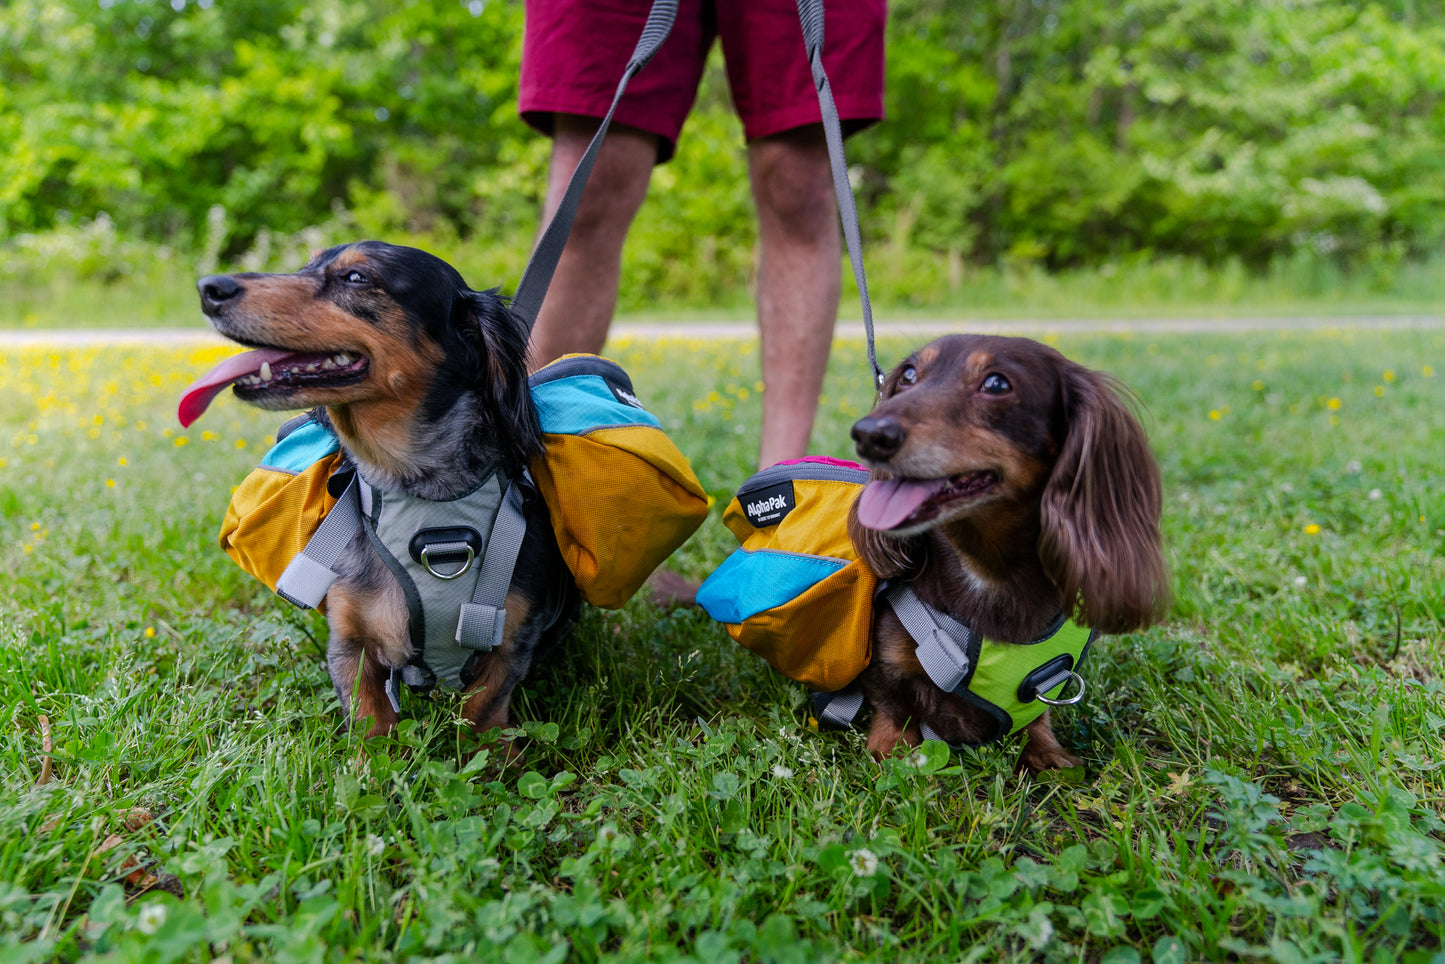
(795, 591)
(620, 496)
(797, 595)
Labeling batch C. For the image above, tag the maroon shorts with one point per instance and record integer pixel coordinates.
(574, 52)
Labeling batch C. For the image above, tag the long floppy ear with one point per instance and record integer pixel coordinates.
(496, 340)
(1100, 529)
(888, 556)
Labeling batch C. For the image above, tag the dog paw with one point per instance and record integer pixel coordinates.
(1036, 759)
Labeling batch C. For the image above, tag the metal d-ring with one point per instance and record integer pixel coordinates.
(450, 547)
(1065, 701)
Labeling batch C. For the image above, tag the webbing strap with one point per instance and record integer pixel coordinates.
(839, 709)
(309, 575)
(810, 15)
(942, 641)
(485, 617)
(538, 274)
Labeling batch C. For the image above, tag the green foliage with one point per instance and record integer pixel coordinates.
(1020, 134)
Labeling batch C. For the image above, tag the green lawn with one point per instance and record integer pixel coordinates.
(1266, 770)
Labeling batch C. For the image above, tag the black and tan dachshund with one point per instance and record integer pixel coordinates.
(424, 381)
(1009, 485)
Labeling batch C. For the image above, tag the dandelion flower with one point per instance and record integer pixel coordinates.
(1333, 404)
(1214, 415)
(181, 440)
(150, 632)
(1389, 375)
(863, 861)
(1313, 529)
(122, 461)
(110, 483)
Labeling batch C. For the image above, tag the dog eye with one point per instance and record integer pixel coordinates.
(356, 278)
(995, 385)
(908, 376)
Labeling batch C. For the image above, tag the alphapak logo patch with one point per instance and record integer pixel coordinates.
(623, 395)
(768, 506)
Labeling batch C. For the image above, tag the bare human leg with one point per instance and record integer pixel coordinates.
(580, 301)
(799, 271)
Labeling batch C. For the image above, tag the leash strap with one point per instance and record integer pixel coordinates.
(538, 274)
(484, 618)
(309, 574)
(810, 15)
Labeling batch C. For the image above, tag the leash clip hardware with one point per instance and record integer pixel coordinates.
(1062, 700)
(450, 548)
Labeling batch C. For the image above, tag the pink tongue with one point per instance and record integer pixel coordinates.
(195, 398)
(885, 504)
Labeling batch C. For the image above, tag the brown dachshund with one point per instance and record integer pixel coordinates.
(1009, 486)
(424, 381)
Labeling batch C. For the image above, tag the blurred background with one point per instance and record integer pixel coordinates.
(1043, 157)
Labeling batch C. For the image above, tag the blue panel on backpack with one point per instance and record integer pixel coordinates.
(748, 583)
(581, 403)
(301, 449)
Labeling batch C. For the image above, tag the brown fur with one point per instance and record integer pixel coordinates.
(444, 399)
(1071, 524)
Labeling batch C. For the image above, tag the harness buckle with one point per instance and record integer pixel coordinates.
(1063, 700)
(448, 549)
(1055, 673)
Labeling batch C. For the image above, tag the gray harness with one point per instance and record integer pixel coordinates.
(454, 561)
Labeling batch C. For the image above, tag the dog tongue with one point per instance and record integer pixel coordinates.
(195, 398)
(885, 504)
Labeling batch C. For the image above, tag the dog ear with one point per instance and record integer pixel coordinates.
(497, 341)
(1100, 511)
(889, 557)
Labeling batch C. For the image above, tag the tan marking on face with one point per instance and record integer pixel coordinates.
(375, 417)
(926, 356)
(977, 364)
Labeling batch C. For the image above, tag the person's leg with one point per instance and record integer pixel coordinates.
(578, 308)
(799, 264)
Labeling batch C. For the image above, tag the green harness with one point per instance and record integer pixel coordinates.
(1014, 683)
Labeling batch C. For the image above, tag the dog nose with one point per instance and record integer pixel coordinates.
(216, 290)
(877, 438)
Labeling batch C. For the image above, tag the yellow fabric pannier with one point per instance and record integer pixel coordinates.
(795, 591)
(621, 496)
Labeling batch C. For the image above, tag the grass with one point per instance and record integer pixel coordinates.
(1266, 771)
(141, 287)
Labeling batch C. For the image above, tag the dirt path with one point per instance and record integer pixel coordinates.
(182, 337)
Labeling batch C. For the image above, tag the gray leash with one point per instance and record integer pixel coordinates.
(538, 274)
(810, 14)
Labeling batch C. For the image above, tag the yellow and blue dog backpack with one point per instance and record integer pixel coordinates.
(797, 595)
(795, 591)
(620, 496)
